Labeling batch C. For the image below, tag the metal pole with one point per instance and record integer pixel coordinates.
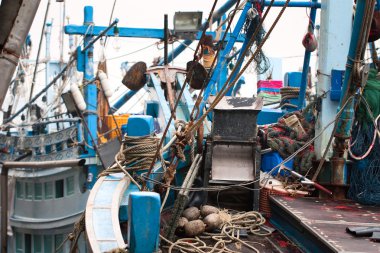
(91, 95)
(4, 208)
(44, 165)
(39, 51)
(9, 56)
(41, 92)
(91, 43)
(301, 4)
(124, 99)
(47, 70)
(166, 39)
(306, 62)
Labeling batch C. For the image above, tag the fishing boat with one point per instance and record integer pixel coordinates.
(202, 168)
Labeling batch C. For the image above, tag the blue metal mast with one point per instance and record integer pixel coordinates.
(306, 62)
(90, 95)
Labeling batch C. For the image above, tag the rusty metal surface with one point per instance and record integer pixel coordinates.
(239, 103)
(337, 175)
(167, 74)
(327, 220)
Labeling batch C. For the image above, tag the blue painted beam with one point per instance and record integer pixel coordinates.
(306, 64)
(301, 4)
(152, 33)
(124, 99)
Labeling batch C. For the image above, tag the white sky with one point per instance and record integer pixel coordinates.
(284, 42)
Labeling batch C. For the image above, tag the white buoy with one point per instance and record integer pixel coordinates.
(106, 86)
(78, 97)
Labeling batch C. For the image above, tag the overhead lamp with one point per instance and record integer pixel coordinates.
(116, 42)
(187, 24)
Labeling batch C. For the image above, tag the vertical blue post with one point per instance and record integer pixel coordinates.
(90, 95)
(306, 64)
(144, 222)
(346, 119)
(223, 69)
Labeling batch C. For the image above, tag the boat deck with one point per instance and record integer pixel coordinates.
(319, 225)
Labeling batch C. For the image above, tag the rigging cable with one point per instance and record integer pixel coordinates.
(180, 95)
(227, 86)
(210, 73)
(39, 50)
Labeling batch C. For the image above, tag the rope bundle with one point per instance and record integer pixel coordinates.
(136, 153)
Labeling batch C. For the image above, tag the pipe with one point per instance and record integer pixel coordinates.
(4, 208)
(44, 165)
(166, 39)
(302, 4)
(348, 88)
(54, 121)
(215, 17)
(9, 55)
(306, 62)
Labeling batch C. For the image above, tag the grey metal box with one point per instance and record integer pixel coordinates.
(235, 119)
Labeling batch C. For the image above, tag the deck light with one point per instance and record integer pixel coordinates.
(187, 24)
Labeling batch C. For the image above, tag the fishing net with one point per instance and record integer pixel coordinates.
(372, 94)
(365, 148)
(365, 182)
(287, 140)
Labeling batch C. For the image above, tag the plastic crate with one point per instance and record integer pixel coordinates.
(110, 122)
(272, 84)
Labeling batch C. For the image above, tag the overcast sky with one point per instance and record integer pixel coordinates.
(285, 41)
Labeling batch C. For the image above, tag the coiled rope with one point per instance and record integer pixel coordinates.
(233, 223)
(136, 153)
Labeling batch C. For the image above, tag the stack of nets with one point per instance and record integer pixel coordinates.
(286, 140)
(269, 90)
